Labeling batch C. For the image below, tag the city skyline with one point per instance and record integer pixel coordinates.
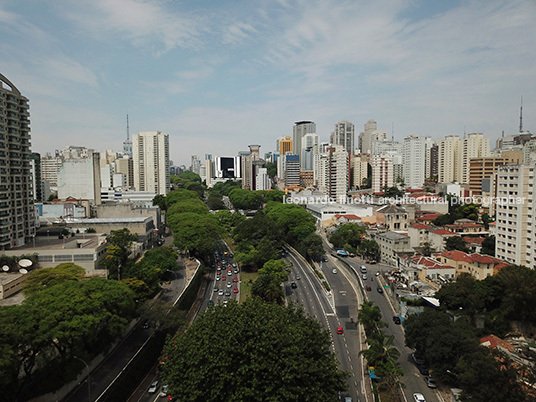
(218, 78)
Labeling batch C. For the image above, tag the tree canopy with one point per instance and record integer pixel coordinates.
(255, 351)
(47, 277)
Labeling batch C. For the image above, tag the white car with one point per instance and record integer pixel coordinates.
(163, 392)
(220, 292)
(153, 387)
(419, 397)
(334, 271)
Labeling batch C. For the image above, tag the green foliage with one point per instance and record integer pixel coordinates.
(118, 251)
(393, 192)
(271, 169)
(160, 201)
(272, 195)
(456, 243)
(488, 246)
(370, 317)
(180, 195)
(185, 177)
(91, 230)
(197, 187)
(190, 205)
(226, 187)
(312, 247)
(255, 351)
(195, 232)
(245, 199)
(214, 202)
(276, 269)
(229, 220)
(291, 219)
(45, 278)
(458, 211)
(370, 249)
(351, 234)
(427, 250)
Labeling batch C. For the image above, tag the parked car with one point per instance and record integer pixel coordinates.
(430, 382)
(153, 387)
(396, 320)
(164, 391)
(418, 397)
(293, 285)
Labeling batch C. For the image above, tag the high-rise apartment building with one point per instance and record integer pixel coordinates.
(309, 149)
(358, 169)
(50, 166)
(344, 135)
(80, 178)
(370, 134)
(516, 214)
(414, 160)
(382, 172)
(150, 154)
(482, 169)
(474, 146)
(299, 130)
(17, 215)
(339, 173)
(448, 159)
(386, 146)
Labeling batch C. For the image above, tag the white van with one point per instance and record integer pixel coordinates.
(363, 269)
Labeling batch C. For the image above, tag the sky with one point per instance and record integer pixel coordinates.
(220, 75)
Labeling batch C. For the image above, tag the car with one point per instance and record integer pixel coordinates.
(379, 289)
(430, 382)
(377, 274)
(334, 271)
(227, 292)
(218, 277)
(235, 290)
(364, 276)
(210, 303)
(220, 292)
(235, 279)
(216, 288)
(146, 324)
(418, 397)
(340, 330)
(347, 399)
(153, 387)
(225, 303)
(223, 278)
(164, 391)
(368, 288)
(325, 258)
(231, 255)
(423, 369)
(235, 271)
(363, 269)
(293, 285)
(396, 320)
(229, 284)
(298, 277)
(234, 264)
(229, 273)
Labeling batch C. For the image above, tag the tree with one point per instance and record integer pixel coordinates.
(271, 169)
(214, 202)
(245, 199)
(456, 243)
(196, 232)
(47, 277)
(350, 234)
(118, 251)
(370, 249)
(255, 351)
(370, 317)
(427, 250)
(160, 201)
(276, 269)
(313, 247)
(268, 288)
(197, 187)
(488, 246)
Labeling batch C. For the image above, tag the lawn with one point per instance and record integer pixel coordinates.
(246, 281)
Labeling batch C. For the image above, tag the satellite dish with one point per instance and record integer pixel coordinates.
(23, 271)
(5, 268)
(25, 263)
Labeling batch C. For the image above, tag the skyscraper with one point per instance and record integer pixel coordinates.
(150, 154)
(17, 216)
(344, 135)
(370, 134)
(299, 130)
(414, 160)
(283, 145)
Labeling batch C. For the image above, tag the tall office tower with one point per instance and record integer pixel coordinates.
(127, 144)
(283, 145)
(81, 178)
(309, 150)
(516, 218)
(17, 216)
(150, 150)
(125, 166)
(358, 169)
(386, 146)
(370, 134)
(474, 146)
(344, 135)
(414, 160)
(339, 173)
(448, 157)
(50, 166)
(382, 172)
(299, 130)
(292, 169)
(434, 154)
(35, 169)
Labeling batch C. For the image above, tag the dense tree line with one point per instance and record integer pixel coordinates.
(268, 285)
(452, 347)
(255, 351)
(62, 316)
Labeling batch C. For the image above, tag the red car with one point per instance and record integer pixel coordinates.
(223, 278)
(235, 279)
(339, 330)
(368, 288)
(235, 290)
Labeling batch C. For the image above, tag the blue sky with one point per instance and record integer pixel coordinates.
(219, 75)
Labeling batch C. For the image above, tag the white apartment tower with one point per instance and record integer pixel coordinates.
(448, 164)
(370, 134)
(516, 214)
(308, 151)
(474, 146)
(17, 215)
(382, 172)
(339, 173)
(414, 160)
(150, 154)
(358, 169)
(344, 135)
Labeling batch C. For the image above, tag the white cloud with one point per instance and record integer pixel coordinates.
(238, 32)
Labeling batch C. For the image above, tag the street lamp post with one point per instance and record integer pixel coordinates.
(88, 382)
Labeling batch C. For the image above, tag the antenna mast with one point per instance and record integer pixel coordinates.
(521, 116)
(128, 129)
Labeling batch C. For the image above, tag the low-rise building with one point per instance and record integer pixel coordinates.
(10, 283)
(477, 265)
(393, 246)
(418, 234)
(438, 238)
(392, 217)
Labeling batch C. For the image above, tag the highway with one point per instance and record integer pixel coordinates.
(332, 310)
